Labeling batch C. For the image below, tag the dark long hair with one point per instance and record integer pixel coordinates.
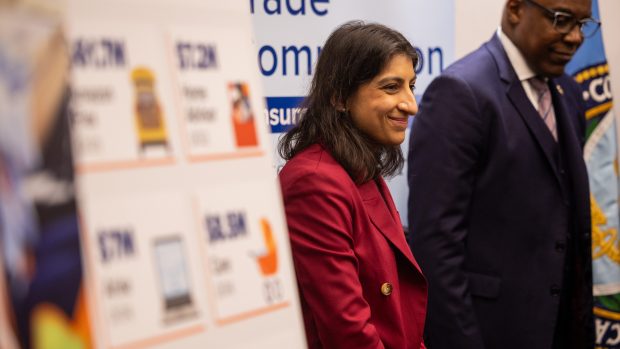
(353, 54)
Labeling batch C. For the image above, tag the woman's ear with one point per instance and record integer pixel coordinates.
(338, 105)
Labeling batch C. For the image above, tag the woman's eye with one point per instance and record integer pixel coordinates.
(412, 87)
(391, 87)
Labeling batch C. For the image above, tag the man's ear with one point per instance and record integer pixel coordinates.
(514, 11)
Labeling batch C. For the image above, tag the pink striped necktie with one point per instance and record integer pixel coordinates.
(545, 107)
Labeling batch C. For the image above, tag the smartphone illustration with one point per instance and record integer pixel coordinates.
(174, 279)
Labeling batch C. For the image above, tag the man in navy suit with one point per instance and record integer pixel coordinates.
(499, 202)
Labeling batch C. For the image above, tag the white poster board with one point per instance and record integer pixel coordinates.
(182, 226)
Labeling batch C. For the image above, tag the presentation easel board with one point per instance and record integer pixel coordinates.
(183, 234)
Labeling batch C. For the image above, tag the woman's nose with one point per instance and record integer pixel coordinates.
(409, 107)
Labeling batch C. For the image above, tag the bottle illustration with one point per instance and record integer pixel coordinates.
(149, 121)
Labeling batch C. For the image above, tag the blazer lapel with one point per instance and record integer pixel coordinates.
(384, 216)
(522, 104)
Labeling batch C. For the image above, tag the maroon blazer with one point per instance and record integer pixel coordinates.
(359, 285)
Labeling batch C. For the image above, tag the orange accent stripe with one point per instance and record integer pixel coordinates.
(226, 156)
(250, 314)
(123, 165)
(592, 112)
(163, 338)
(606, 314)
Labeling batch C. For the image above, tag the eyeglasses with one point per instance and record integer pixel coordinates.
(564, 22)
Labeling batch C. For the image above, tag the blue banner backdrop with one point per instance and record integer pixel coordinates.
(290, 34)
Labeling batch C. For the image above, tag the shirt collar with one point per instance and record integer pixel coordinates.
(515, 57)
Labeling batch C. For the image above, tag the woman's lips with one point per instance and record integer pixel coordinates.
(399, 121)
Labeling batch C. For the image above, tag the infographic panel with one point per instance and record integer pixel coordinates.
(122, 110)
(217, 105)
(149, 278)
(243, 252)
(181, 219)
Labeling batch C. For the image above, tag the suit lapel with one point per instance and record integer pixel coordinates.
(570, 142)
(523, 106)
(535, 123)
(384, 216)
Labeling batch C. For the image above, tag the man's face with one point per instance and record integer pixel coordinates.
(545, 49)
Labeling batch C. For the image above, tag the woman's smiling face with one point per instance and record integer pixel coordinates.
(381, 107)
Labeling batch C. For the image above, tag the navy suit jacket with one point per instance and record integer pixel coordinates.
(495, 207)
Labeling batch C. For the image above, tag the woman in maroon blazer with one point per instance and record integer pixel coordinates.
(359, 284)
